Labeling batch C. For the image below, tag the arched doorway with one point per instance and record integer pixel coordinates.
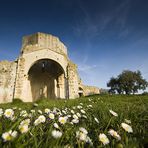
(81, 93)
(47, 79)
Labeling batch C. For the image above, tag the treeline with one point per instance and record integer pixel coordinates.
(128, 82)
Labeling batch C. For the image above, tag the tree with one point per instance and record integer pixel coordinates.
(127, 82)
(114, 84)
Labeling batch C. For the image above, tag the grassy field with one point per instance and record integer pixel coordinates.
(76, 123)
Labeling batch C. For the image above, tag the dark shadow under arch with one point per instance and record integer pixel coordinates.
(43, 77)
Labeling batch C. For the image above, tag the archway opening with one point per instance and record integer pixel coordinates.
(46, 79)
(81, 93)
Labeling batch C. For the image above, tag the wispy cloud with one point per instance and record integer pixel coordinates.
(92, 26)
(86, 68)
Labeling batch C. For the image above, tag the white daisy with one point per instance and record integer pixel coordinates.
(127, 127)
(114, 134)
(23, 113)
(26, 121)
(47, 110)
(82, 129)
(82, 111)
(72, 111)
(56, 134)
(113, 113)
(35, 104)
(62, 120)
(42, 118)
(7, 136)
(96, 120)
(75, 116)
(81, 136)
(56, 125)
(23, 128)
(75, 121)
(14, 134)
(103, 138)
(39, 111)
(36, 122)
(9, 113)
(51, 116)
(78, 114)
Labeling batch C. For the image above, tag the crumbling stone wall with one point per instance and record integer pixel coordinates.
(7, 80)
(85, 90)
(40, 40)
(90, 90)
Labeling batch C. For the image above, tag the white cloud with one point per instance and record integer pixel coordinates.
(85, 68)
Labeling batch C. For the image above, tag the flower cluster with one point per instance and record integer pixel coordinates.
(40, 119)
(82, 135)
(57, 123)
(10, 135)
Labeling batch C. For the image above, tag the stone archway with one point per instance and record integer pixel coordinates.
(81, 92)
(47, 79)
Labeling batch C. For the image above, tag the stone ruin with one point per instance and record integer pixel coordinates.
(43, 70)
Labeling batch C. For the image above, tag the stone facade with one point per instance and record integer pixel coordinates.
(7, 80)
(43, 70)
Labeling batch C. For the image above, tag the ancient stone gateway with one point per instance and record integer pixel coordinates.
(43, 70)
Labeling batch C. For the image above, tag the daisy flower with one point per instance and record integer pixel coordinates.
(42, 118)
(7, 136)
(51, 116)
(23, 128)
(96, 120)
(47, 110)
(82, 111)
(9, 113)
(75, 116)
(75, 121)
(114, 134)
(56, 134)
(103, 138)
(82, 129)
(26, 121)
(81, 136)
(62, 120)
(113, 113)
(56, 125)
(127, 127)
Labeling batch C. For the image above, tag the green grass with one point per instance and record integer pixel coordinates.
(134, 108)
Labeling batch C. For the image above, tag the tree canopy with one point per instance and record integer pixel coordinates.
(127, 82)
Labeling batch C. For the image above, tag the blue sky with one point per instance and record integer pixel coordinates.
(103, 37)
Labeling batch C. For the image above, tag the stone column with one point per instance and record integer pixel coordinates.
(27, 93)
(55, 88)
(72, 80)
(61, 84)
(66, 88)
(19, 78)
(58, 90)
